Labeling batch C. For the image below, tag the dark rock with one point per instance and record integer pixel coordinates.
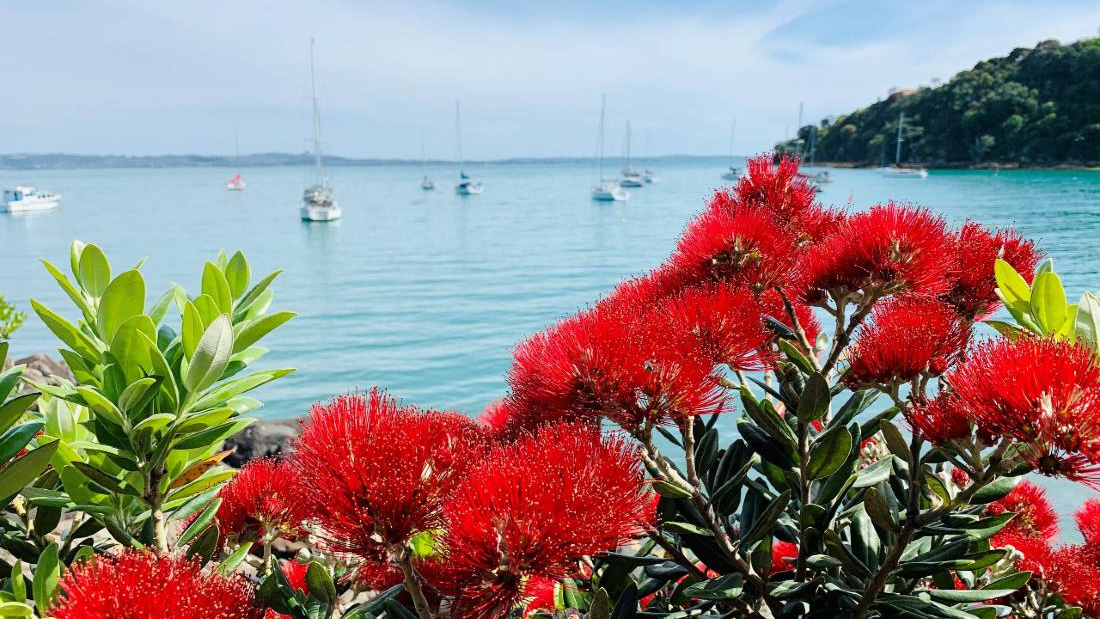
(42, 369)
(261, 440)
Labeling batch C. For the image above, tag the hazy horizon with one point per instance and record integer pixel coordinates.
(149, 79)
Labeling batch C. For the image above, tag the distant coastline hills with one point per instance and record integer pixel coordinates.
(1035, 107)
(56, 161)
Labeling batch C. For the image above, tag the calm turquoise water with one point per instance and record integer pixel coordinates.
(426, 293)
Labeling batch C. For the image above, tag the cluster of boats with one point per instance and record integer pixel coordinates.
(616, 190)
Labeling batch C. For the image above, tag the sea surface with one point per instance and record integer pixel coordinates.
(426, 293)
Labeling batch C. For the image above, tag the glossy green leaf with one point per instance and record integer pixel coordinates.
(47, 572)
(215, 285)
(256, 329)
(320, 583)
(998, 489)
(211, 355)
(199, 524)
(1048, 302)
(722, 588)
(1012, 285)
(829, 454)
(238, 274)
(123, 299)
(66, 331)
(814, 400)
(191, 329)
(93, 270)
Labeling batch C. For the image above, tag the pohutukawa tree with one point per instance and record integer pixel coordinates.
(882, 436)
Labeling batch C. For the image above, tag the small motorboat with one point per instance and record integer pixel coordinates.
(896, 172)
(427, 184)
(467, 186)
(650, 176)
(632, 178)
(24, 198)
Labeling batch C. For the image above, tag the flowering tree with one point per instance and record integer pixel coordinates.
(876, 469)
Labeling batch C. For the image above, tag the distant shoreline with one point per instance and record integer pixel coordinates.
(63, 161)
(960, 166)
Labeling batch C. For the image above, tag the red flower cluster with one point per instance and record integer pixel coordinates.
(1041, 393)
(375, 474)
(1073, 571)
(141, 585)
(261, 498)
(783, 554)
(535, 507)
(973, 287)
(888, 249)
(907, 337)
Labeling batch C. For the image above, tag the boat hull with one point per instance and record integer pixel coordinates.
(313, 212)
(609, 193)
(237, 186)
(30, 206)
(468, 189)
(903, 172)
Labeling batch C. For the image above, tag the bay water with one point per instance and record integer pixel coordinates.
(426, 293)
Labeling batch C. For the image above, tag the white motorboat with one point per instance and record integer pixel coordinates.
(650, 176)
(427, 184)
(896, 171)
(606, 191)
(466, 186)
(318, 203)
(24, 199)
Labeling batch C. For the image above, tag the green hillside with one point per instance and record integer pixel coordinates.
(1034, 107)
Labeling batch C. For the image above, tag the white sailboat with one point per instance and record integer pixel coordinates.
(318, 203)
(631, 177)
(236, 183)
(426, 184)
(648, 174)
(734, 172)
(606, 191)
(896, 171)
(24, 198)
(466, 186)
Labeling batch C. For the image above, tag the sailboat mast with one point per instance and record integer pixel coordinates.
(733, 133)
(603, 108)
(458, 135)
(316, 116)
(897, 151)
(628, 140)
(236, 149)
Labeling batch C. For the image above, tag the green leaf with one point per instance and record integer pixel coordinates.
(103, 479)
(192, 328)
(627, 604)
(1048, 302)
(135, 392)
(1013, 582)
(215, 285)
(423, 543)
(200, 523)
(765, 522)
(687, 527)
(46, 574)
(998, 489)
(1088, 320)
(874, 503)
(238, 274)
(93, 271)
(16, 439)
(895, 441)
(829, 454)
(211, 355)
(155, 422)
(130, 348)
(18, 583)
(320, 583)
(256, 329)
(814, 400)
(874, 474)
(1012, 285)
(722, 588)
(123, 299)
(669, 490)
(22, 471)
(74, 294)
(955, 596)
(230, 563)
(254, 294)
(101, 405)
(67, 332)
(12, 410)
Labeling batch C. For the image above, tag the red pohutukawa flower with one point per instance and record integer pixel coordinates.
(536, 507)
(1035, 516)
(615, 361)
(1045, 394)
(727, 322)
(906, 338)
(780, 189)
(744, 246)
(1088, 522)
(940, 419)
(260, 500)
(141, 585)
(888, 249)
(376, 473)
(973, 287)
(782, 552)
(295, 572)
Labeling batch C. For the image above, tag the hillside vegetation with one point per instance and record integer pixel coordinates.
(1034, 107)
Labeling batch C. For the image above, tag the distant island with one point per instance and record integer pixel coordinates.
(1035, 107)
(54, 161)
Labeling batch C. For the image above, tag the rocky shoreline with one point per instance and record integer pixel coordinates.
(264, 438)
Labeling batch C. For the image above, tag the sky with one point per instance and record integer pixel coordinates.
(141, 77)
